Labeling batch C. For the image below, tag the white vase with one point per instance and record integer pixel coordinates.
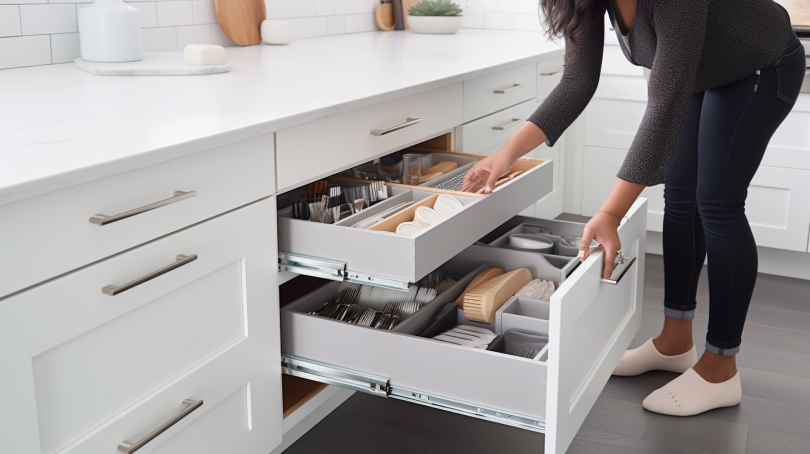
(110, 31)
(439, 25)
(276, 32)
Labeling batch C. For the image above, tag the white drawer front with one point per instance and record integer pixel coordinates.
(49, 235)
(590, 326)
(777, 208)
(614, 62)
(479, 135)
(790, 144)
(549, 75)
(488, 94)
(612, 123)
(77, 357)
(346, 140)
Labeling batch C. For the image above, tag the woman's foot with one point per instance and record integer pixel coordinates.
(690, 394)
(647, 358)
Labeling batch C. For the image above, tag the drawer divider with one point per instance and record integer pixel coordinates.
(335, 375)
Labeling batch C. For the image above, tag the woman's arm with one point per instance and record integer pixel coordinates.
(605, 223)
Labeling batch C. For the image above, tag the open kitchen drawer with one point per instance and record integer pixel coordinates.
(590, 324)
(379, 257)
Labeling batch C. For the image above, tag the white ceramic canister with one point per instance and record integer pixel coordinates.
(276, 32)
(110, 31)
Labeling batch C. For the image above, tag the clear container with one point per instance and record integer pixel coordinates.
(411, 169)
(524, 343)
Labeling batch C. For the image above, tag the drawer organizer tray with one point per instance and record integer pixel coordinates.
(384, 258)
(589, 324)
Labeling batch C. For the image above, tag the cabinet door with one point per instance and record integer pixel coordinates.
(778, 209)
(790, 145)
(104, 355)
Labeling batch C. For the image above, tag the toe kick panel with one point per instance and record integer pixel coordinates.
(589, 323)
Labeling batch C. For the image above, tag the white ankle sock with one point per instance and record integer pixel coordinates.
(647, 358)
(690, 395)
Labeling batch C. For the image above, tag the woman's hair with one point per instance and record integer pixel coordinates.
(570, 19)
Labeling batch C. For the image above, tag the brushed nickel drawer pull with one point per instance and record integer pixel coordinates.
(129, 448)
(510, 89)
(181, 260)
(409, 121)
(102, 220)
(511, 124)
(551, 73)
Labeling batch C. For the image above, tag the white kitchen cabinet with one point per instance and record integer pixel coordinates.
(777, 208)
(612, 123)
(591, 323)
(790, 145)
(495, 129)
(46, 236)
(109, 352)
(497, 91)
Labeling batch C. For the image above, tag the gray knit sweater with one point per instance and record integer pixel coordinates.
(689, 46)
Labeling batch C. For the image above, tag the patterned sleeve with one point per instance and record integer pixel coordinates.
(680, 27)
(580, 78)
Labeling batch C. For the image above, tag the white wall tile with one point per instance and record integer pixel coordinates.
(10, 21)
(354, 23)
(288, 9)
(65, 47)
(476, 19)
(25, 51)
(193, 34)
(309, 27)
(147, 13)
(335, 25)
(174, 13)
(159, 39)
(219, 38)
(344, 6)
(371, 23)
(512, 6)
(87, 2)
(45, 19)
(21, 2)
(204, 12)
(499, 21)
(324, 7)
(365, 6)
(527, 21)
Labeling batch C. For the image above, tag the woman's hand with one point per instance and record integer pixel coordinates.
(604, 229)
(484, 174)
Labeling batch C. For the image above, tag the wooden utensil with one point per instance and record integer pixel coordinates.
(241, 20)
(482, 302)
(443, 167)
(384, 14)
(482, 277)
(508, 177)
(406, 5)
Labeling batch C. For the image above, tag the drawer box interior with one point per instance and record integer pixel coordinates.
(379, 251)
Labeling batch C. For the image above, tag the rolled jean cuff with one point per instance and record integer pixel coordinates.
(679, 314)
(722, 351)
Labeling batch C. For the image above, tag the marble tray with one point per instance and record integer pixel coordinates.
(153, 64)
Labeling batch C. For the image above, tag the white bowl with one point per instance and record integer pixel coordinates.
(529, 243)
(440, 25)
(427, 216)
(448, 204)
(408, 228)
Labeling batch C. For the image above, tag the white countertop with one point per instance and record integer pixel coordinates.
(60, 126)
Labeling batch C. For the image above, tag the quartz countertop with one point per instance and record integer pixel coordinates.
(60, 126)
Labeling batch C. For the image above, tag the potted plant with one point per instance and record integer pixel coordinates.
(435, 16)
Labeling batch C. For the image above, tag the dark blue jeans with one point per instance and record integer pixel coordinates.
(719, 150)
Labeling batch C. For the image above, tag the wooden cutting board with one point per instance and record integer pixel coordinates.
(406, 5)
(241, 20)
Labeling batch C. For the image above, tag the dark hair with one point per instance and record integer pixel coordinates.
(570, 19)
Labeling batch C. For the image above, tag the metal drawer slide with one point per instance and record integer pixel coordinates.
(332, 270)
(381, 386)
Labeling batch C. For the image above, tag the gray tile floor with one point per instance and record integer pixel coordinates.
(774, 416)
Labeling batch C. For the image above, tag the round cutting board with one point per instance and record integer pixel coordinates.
(241, 20)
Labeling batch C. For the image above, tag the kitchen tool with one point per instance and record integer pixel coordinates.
(455, 340)
(532, 243)
(204, 54)
(476, 341)
(437, 171)
(411, 169)
(390, 224)
(569, 246)
(109, 32)
(481, 303)
(276, 32)
(427, 216)
(399, 16)
(482, 277)
(408, 228)
(508, 177)
(406, 6)
(241, 20)
(486, 338)
(384, 14)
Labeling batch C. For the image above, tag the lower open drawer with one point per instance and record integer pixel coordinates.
(589, 324)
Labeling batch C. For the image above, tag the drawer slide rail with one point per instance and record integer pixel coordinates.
(381, 386)
(333, 270)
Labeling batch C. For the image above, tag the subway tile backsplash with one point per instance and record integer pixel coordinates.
(44, 32)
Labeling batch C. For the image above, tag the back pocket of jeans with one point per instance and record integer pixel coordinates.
(790, 73)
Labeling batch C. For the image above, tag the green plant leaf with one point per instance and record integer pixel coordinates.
(435, 8)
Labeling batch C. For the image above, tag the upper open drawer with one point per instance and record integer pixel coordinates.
(380, 256)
